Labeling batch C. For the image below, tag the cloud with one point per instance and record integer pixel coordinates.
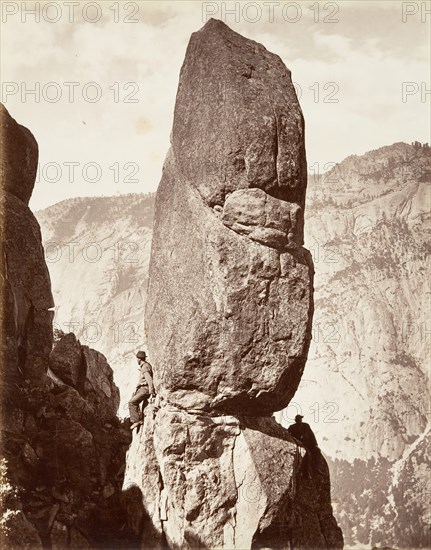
(361, 60)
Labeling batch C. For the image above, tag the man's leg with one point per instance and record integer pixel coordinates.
(144, 404)
(308, 464)
(139, 395)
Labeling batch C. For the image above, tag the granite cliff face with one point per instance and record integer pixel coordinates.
(369, 228)
(228, 315)
(62, 444)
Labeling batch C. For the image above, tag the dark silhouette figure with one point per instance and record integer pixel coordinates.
(302, 432)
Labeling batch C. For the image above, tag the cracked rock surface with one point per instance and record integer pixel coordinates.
(199, 481)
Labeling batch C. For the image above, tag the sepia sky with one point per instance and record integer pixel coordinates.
(104, 77)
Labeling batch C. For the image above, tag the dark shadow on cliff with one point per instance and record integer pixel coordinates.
(194, 541)
(307, 500)
(139, 522)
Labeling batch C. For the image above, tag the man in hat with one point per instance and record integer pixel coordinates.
(144, 389)
(302, 432)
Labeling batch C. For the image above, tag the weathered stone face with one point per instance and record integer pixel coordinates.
(99, 388)
(263, 218)
(229, 308)
(88, 371)
(228, 317)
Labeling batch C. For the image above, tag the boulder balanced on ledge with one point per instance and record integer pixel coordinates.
(230, 303)
(228, 316)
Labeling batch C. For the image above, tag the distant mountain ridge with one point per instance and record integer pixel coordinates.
(97, 250)
(365, 389)
(367, 221)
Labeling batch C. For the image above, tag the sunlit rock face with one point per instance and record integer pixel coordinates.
(229, 309)
(195, 481)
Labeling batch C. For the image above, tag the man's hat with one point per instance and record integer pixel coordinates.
(298, 416)
(141, 355)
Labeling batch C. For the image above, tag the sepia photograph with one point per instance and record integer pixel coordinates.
(215, 314)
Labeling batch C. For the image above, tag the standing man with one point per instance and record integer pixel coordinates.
(305, 436)
(144, 389)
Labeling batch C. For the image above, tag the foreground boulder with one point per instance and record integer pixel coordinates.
(228, 316)
(88, 371)
(230, 305)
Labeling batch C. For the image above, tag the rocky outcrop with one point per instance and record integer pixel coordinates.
(65, 360)
(196, 481)
(237, 121)
(88, 372)
(63, 446)
(66, 466)
(27, 298)
(228, 317)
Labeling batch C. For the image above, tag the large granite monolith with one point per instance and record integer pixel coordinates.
(230, 296)
(228, 317)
